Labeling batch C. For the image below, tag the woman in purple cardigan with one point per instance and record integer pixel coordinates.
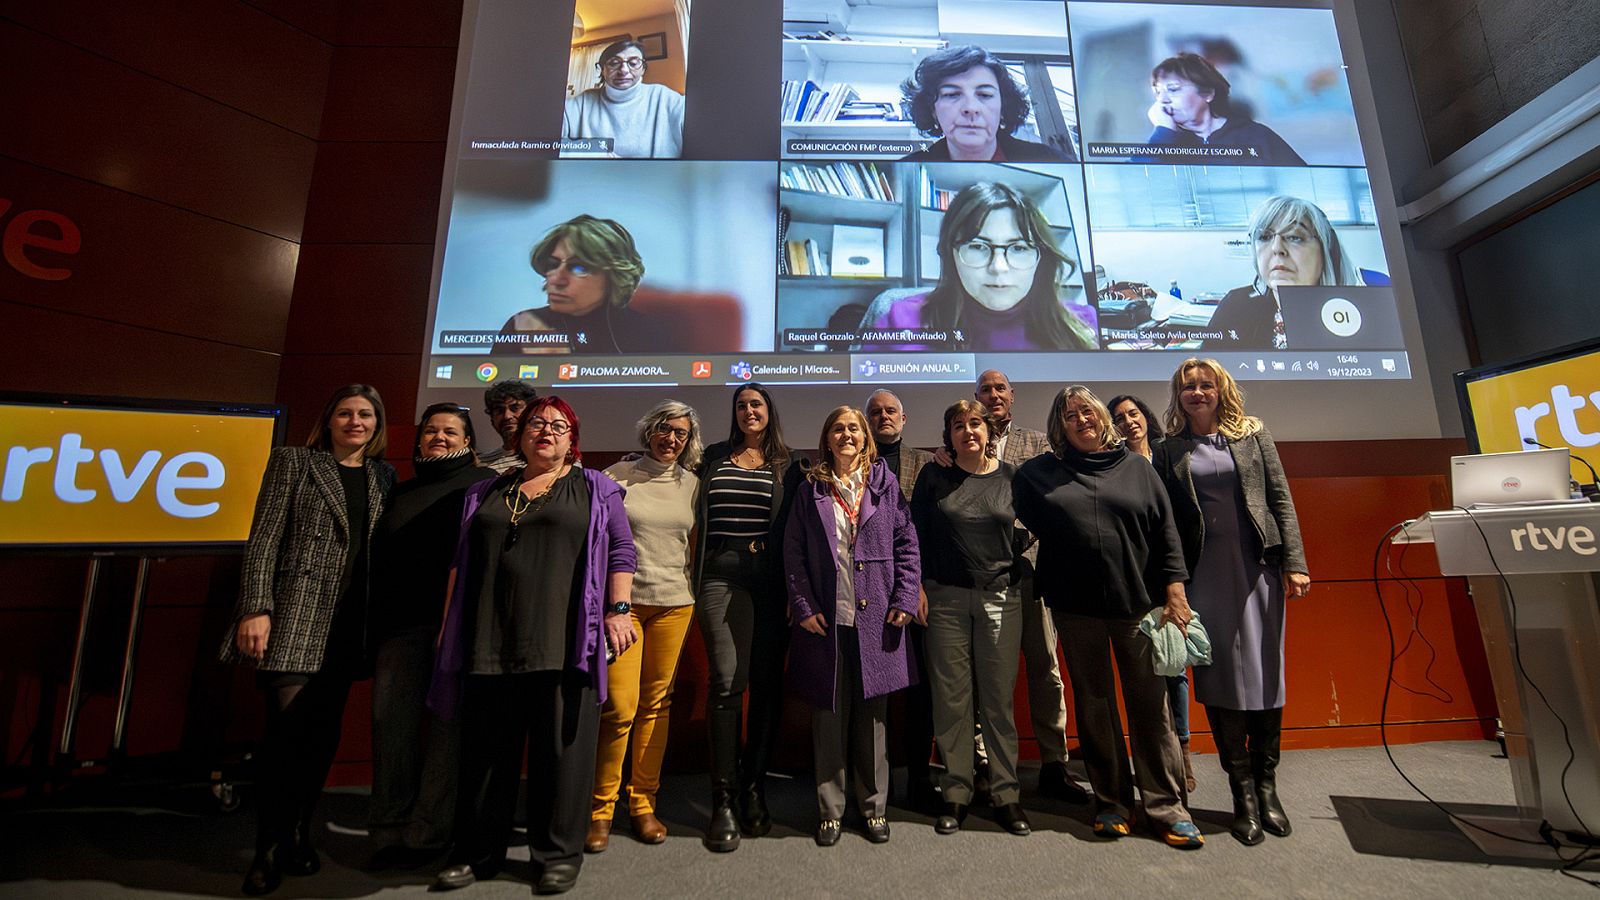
(540, 588)
(853, 573)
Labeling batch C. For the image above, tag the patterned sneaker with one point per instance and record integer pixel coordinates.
(1184, 836)
(1110, 825)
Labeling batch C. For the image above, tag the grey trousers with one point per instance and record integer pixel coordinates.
(851, 743)
(1047, 705)
(1089, 644)
(415, 754)
(972, 641)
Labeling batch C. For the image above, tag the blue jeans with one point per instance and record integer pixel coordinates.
(1178, 702)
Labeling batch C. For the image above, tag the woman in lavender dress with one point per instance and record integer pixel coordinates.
(1241, 541)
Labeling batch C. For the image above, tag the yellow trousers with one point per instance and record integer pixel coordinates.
(638, 700)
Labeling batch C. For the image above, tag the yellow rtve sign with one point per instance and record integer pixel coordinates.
(1557, 404)
(79, 475)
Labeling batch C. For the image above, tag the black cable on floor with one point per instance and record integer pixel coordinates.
(1568, 866)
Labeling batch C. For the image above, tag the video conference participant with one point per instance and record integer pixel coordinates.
(1191, 109)
(591, 269)
(540, 588)
(645, 120)
(746, 485)
(1141, 430)
(661, 486)
(972, 572)
(1242, 546)
(887, 416)
(302, 616)
(1295, 244)
(1109, 554)
(414, 755)
(1000, 278)
(1016, 444)
(964, 96)
(504, 401)
(853, 576)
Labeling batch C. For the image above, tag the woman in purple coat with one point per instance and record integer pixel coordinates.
(853, 572)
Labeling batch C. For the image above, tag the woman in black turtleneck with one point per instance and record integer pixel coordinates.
(414, 777)
(1108, 555)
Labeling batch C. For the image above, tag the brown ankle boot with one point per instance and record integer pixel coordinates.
(648, 829)
(599, 836)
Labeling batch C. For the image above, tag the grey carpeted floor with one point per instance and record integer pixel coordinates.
(1359, 832)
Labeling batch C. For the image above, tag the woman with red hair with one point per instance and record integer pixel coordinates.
(539, 592)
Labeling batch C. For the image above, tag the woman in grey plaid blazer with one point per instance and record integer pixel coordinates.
(301, 617)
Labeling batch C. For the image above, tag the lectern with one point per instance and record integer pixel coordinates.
(1534, 571)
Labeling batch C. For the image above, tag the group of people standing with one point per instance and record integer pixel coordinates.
(541, 606)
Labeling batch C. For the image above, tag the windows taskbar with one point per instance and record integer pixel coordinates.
(910, 368)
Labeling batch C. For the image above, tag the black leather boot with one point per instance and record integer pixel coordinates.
(722, 833)
(1265, 728)
(754, 817)
(297, 856)
(1228, 729)
(264, 875)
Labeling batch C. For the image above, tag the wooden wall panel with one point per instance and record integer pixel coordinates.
(392, 279)
(390, 94)
(149, 265)
(409, 23)
(73, 355)
(228, 52)
(375, 193)
(308, 379)
(167, 143)
(317, 18)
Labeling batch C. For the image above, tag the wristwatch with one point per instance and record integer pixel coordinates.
(619, 608)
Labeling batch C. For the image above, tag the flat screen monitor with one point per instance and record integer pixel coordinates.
(1549, 399)
(128, 475)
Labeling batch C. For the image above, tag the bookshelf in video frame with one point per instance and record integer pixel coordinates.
(840, 88)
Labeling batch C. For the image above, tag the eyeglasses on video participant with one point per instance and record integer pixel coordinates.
(1001, 274)
(645, 120)
(591, 268)
(965, 97)
(1295, 244)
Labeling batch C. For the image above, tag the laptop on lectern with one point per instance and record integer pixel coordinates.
(1521, 476)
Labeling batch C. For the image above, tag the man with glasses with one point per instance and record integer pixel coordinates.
(505, 401)
(643, 121)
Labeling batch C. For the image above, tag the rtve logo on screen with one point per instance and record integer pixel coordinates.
(105, 476)
(205, 472)
(1565, 405)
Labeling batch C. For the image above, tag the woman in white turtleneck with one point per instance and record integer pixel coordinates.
(645, 120)
(660, 500)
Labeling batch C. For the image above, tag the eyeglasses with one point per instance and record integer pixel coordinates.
(1290, 238)
(556, 427)
(577, 267)
(976, 254)
(615, 64)
(663, 428)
